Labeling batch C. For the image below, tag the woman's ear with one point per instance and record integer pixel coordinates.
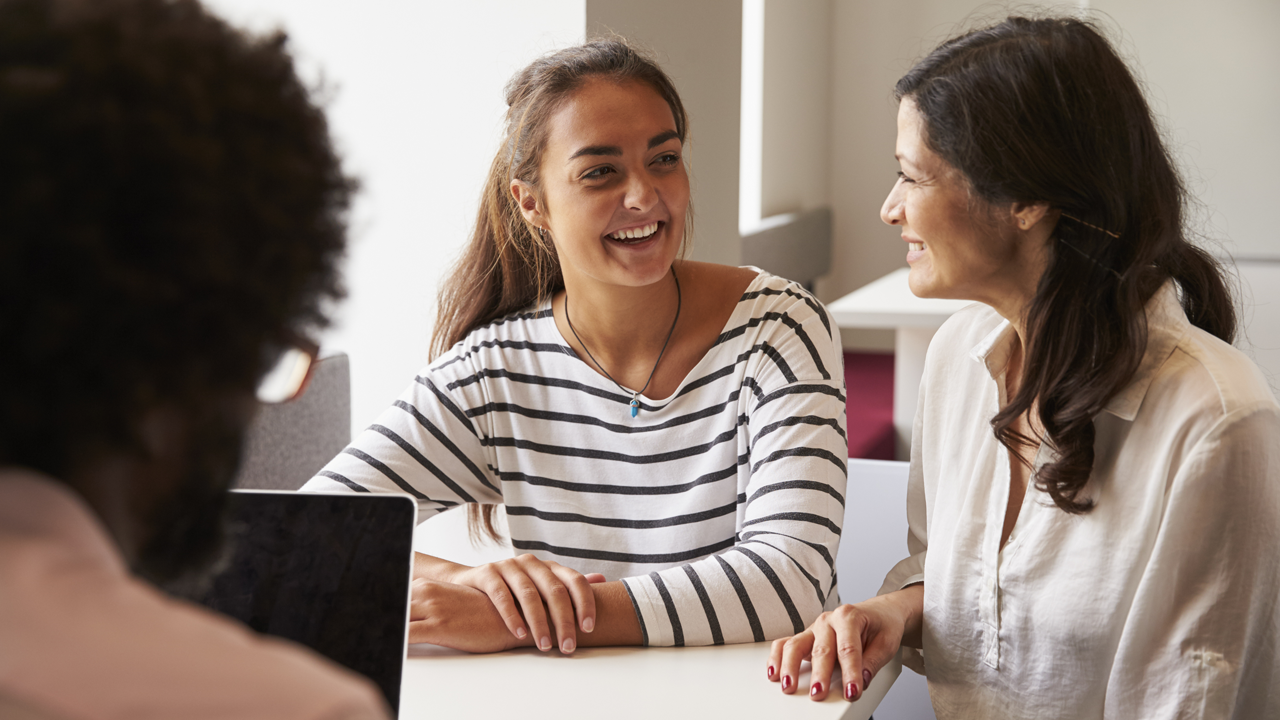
(527, 200)
(1027, 215)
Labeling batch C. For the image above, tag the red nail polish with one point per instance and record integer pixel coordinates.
(866, 678)
(848, 691)
(786, 682)
(769, 673)
(817, 688)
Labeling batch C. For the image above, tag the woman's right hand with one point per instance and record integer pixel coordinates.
(526, 590)
(863, 638)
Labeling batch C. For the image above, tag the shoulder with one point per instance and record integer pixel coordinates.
(102, 641)
(532, 330)
(531, 323)
(1228, 379)
(1205, 387)
(132, 642)
(769, 295)
(1189, 373)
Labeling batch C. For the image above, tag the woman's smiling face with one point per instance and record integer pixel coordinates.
(956, 247)
(614, 189)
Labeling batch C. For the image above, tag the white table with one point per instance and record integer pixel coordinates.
(889, 303)
(619, 683)
(713, 682)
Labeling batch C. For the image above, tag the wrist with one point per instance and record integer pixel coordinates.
(908, 603)
(437, 569)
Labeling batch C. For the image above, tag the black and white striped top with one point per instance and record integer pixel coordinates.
(719, 506)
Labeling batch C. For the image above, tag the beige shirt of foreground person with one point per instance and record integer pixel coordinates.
(1162, 601)
(81, 638)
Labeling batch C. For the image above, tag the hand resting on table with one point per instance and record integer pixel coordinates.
(863, 638)
(515, 602)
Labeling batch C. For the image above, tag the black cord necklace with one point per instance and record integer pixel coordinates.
(635, 396)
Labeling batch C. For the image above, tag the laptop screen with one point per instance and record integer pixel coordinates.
(329, 571)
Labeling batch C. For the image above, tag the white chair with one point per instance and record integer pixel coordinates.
(873, 540)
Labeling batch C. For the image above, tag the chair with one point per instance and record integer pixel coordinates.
(286, 444)
(873, 540)
(796, 246)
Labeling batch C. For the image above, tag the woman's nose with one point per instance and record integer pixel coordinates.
(891, 211)
(641, 194)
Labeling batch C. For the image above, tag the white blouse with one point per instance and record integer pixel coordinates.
(1159, 603)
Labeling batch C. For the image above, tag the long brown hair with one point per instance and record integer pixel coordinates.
(1044, 110)
(508, 266)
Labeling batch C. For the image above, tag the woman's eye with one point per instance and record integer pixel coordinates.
(667, 158)
(597, 173)
(903, 177)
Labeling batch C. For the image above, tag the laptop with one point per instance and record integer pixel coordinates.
(331, 572)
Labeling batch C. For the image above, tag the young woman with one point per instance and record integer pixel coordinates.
(1093, 466)
(667, 436)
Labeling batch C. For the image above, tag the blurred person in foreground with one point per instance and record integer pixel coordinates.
(1094, 505)
(174, 213)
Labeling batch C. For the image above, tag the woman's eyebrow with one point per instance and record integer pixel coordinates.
(662, 137)
(654, 142)
(597, 150)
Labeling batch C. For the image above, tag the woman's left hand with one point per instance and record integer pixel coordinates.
(462, 617)
(458, 617)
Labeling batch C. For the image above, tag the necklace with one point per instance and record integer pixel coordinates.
(635, 396)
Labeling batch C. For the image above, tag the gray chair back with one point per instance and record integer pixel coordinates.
(288, 443)
(796, 246)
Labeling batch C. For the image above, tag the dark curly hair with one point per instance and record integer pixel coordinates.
(173, 209)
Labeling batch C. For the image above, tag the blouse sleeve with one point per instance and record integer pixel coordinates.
(424, 446)
(1201, 637)
(910, 570)
(780, 574)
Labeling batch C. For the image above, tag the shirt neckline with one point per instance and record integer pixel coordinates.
(756, 283)
(1167, 324)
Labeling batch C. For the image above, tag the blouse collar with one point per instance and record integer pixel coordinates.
(1167, 324)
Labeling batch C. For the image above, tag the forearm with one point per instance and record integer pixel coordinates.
(909, 603)
(436, 569)
(462, 617)
(616, 621)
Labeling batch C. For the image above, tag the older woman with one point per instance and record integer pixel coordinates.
(1093, 501)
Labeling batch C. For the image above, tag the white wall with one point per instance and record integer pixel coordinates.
(1259, 302)
(416, 108)
(796, 106)
(1212, 73)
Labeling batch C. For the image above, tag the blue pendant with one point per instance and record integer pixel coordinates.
(635, 407)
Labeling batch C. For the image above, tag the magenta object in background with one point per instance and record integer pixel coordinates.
(868, 382)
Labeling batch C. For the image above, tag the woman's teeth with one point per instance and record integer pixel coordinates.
(915, 246)
(640, 233)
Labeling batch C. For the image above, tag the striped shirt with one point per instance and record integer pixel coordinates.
(719, 507)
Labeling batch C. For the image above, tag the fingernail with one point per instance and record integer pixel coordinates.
(866, 678)
(568, 645)
(817, 688)
(786, 682)
(544, 643)
(520, 633)
(848, 691)
(769, 673)
(588, 625)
